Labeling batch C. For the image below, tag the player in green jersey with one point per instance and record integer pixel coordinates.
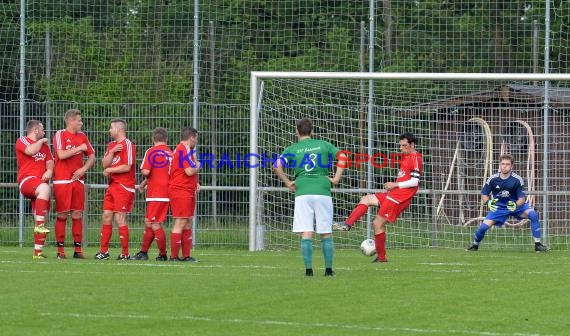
(311, 161)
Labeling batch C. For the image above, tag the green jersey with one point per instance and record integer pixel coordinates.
(311, 160)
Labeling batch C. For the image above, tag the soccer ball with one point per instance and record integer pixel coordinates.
(367, 247)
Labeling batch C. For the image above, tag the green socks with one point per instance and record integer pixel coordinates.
(307, 252)
(328, 251)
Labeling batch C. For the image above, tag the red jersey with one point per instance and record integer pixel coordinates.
(410, 166)
(64, 168)
(34, 165)
(157, 160)
(182, 158)
(124, 157)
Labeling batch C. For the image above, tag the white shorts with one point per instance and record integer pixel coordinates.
(311, 211)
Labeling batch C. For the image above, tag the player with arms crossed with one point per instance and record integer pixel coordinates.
(35, 168)
(395, 200)
(155, 167)
(182, 188)
(505, 196)
(70, 146)
(311, 160)
(119, 167)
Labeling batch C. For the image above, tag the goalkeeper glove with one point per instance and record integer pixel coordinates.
(512, 206)
(492, 204)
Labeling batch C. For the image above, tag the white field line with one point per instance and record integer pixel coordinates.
(177, 265)
(408, 330)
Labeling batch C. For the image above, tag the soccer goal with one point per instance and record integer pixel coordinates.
(464, 122)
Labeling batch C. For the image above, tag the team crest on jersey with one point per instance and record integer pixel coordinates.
(71, 147)
(401, 173)
(116, 160)
(504, 194)
(39, 156)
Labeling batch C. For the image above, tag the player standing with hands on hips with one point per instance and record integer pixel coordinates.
(504, 194)
(311, 159)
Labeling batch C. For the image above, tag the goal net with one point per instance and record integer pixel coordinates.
(463, 123)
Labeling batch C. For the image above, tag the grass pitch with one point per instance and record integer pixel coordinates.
(231, 292)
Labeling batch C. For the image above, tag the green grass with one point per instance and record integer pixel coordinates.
(231, 292)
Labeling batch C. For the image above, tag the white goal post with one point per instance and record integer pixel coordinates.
(464, 120)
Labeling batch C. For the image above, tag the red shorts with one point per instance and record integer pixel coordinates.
(29, 185)
(182, 205)
(390, 209)
(118, 199)
(69, 196)
(156, 211)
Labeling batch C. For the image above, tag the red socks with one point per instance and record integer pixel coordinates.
(160, 238)
(77, 232)
(150, 235)
(60, 224)
(359, 211)
(124, 239)
(106, 233)
(380, 242)
(41, 208)
(186, 243)
(175, 242)
(147, 239)
(39, 241)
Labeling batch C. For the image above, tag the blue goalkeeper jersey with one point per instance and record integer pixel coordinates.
(505, 190)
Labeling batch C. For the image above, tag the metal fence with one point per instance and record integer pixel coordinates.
(222, 202)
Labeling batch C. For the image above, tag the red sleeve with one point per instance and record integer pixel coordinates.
(128, 153)
(132, 153)
(45, 149)
(418, 163)
(90, 150)
(186, 157)
(145, 164)
(109, 146)
(184, 163)
(57, 143)
(21, 146)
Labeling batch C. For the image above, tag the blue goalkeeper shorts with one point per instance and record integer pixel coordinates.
(502, 213)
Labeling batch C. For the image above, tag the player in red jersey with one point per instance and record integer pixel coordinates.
(35, 168)
(182, 188)
(155, 167)
(119, 167)
(393, 202)
(70, 146)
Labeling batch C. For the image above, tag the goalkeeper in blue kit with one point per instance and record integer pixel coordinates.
(504, 194)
